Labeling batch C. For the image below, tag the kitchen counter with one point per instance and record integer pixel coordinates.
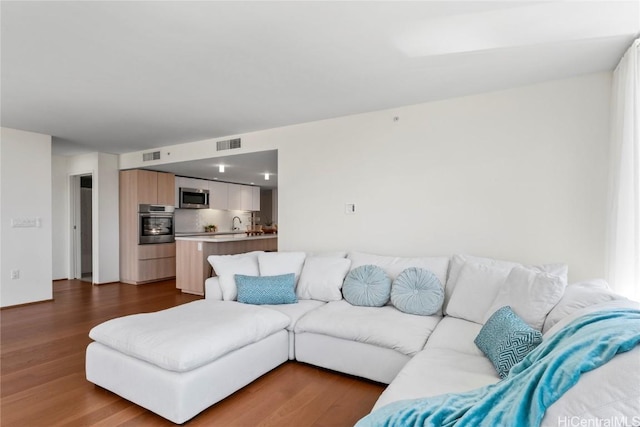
(225, 238)
(192, 267)
(207, 233)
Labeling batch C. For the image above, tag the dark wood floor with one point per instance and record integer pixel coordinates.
(43, 380)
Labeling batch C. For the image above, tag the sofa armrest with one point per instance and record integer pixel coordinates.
(212, 289)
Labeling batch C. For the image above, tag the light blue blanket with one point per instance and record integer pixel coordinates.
(532, 385)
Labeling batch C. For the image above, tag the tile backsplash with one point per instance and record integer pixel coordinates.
(194, 220)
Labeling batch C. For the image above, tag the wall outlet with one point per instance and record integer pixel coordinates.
(15, 274)
(350, 208)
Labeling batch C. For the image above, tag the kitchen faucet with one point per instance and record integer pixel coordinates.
(233, 223)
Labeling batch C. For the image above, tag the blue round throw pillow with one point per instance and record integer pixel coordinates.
(417, 291)
(367, 286)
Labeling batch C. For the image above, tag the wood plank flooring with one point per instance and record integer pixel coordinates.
(43, 379)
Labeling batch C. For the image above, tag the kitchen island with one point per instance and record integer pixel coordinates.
(192, 267)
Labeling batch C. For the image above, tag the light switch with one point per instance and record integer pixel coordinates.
(350, 208)
(25, 222)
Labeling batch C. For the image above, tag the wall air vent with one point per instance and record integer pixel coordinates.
(229, 144)
(154, 155)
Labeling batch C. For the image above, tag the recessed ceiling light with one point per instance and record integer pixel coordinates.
(221, 168)
(266, 176)
(252, 183)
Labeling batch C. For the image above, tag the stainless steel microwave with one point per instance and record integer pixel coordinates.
(194, 198)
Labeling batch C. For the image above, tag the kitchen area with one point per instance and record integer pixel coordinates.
(171, 221)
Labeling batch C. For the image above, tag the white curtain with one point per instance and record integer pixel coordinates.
(624, 210)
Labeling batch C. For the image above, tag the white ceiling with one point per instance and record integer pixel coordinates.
(125, 76)
(242, 168)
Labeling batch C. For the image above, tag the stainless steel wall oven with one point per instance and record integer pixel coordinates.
(155, 224)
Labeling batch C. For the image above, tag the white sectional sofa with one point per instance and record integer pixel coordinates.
(150, 360)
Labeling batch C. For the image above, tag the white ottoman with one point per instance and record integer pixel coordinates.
(180, 361)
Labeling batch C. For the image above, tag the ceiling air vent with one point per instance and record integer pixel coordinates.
(155, 155)
(229, 144)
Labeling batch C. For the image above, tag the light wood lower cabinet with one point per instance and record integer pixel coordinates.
(192, 267)
(150, 270)
(150, 263)
(162, 250)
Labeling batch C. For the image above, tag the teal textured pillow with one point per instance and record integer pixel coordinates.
(266, 289)
(367, 286)
(506, 339)
(417, 291)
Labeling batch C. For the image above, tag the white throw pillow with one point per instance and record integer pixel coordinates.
(322, 277)
(476, 287)
(332, 254)
(531, 293)
(226, 266)
(577, 296)
(455, 267)
(458, 261)
(393, 266)
(277, 263)
(622, 303)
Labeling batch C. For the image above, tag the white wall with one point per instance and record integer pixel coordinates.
(60, 213)
(517, 174)
(25, 192)
(105, 245)
(107, 190)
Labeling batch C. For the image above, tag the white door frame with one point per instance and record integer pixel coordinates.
(75, 245)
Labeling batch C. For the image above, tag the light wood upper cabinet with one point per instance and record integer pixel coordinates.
(146, 186)
(149, 187)
(166, 188)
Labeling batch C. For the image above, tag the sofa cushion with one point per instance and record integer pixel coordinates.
(609, 392)
(476, 287)
(330, 254)
(367, 286)
(456, 265)
(456, 334)
(277, 263)
(531, 293)
(480, 280)
(266, 289)
(577, 296)
(506, 339)
(295, 311)
(436, 371)
(385, 326)
(608, 305)
(417, 291)
(226, 266)
(322, 278)
(191, 335)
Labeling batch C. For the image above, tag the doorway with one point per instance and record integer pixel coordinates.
(86, 228)
(82, 227)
